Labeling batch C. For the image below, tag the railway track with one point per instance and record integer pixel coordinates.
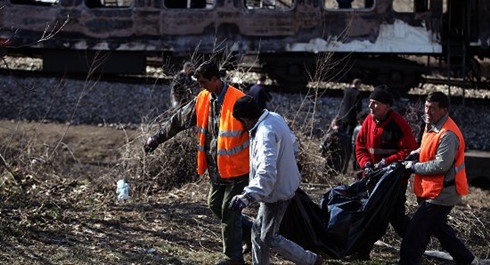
(132, 79)
(326, 88)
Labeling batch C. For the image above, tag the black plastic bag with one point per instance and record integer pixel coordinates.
(348, 218)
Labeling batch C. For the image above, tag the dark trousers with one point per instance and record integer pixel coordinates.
(428, 220)
(235, 227)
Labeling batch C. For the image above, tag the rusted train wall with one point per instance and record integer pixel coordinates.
(286, 38)
(149, 26)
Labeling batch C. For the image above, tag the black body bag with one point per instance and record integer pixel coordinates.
(348, 218)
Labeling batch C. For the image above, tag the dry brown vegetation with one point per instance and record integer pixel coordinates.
(58, 200)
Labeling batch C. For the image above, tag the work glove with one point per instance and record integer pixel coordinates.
(409, 166)
(368, 169)
(150, 144)
(238, 202)
(414, 155)
(381, 164)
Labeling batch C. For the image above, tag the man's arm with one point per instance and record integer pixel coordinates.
(405, 145)
(359, 103)
(265, 163)
(362, 152)
(182, 119)
(445, 155)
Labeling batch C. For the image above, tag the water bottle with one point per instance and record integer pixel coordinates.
(122, 190)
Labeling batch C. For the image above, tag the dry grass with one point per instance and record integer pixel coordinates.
(58, 199)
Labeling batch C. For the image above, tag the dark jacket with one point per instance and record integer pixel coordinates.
(349, 107)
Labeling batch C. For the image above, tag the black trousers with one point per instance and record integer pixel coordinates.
(428, 220)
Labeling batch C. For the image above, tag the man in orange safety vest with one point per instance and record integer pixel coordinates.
(440, 182)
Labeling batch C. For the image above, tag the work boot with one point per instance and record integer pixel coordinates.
(319, 259)
(229, 262)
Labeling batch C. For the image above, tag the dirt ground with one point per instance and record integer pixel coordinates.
(58, 201)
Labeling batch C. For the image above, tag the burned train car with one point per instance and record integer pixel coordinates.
(293, 39)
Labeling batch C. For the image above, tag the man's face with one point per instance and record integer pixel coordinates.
(188, 70)
(212, 85)
(433, 113)
(378, 109)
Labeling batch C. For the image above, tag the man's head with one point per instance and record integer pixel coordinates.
(335, 124)
(261, 79)
(357, 83)
(188, 68)
(380, 102)
(436, 106)
(246, 111)
(208, 77)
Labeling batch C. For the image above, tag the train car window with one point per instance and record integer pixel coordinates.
(108, 3)
(36, 2)
(203, 4)
(406, 6)
(348, 4)
(417, 6)
(270, 4)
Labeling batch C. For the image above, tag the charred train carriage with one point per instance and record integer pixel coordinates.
(376, 40)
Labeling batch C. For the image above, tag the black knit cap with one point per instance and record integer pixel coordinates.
(382, 94)
(246, 107)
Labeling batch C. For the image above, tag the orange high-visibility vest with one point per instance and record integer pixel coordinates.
(429, 186)
(233, 140)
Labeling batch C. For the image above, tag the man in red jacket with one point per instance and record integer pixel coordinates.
(385, 137)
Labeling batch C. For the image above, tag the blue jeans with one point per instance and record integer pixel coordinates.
(428, 220)
(265, 236)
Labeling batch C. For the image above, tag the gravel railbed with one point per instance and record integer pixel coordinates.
(119, 104)
(128, 105)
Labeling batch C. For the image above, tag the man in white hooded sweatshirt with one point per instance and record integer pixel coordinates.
(274, 178)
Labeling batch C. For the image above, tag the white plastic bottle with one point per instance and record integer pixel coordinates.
(122, 190)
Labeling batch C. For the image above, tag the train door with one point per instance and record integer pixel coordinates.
(348, 4)
(460, 33)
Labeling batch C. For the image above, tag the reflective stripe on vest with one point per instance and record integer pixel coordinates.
(430, 186)
(382, 151)
(233, 141)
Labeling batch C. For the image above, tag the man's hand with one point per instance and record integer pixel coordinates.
(414, 155)
(150, 144)
(368, 169)
(409, 166)
(240, 201)
(381, 164)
